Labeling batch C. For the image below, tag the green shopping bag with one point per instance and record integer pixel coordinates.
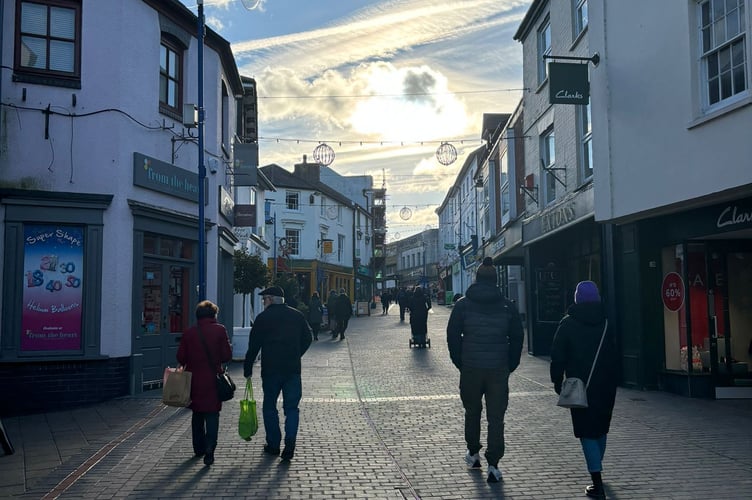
(248, 421)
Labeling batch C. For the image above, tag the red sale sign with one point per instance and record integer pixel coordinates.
(672, 291)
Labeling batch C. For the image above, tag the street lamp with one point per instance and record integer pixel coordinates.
(201, 169)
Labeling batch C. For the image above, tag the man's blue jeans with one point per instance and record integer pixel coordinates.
(292, 391)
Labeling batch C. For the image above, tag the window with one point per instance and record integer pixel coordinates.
(171, 78)
(580, 17)
(340, 247)
(504, 185)
(548, 161)
(48, 42)
(293, 241)
(544, 49)
(292, 200)
(323, 207)
(723, 47)
(586, 143)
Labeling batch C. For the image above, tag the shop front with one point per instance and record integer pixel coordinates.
(696, 269)
(563, 245)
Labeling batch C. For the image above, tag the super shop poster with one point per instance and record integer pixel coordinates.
(52, 288)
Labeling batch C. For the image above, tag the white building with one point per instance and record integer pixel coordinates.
(671, 119)
(323, 238)
(99, 194)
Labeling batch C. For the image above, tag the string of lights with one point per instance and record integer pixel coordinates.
(404, 94)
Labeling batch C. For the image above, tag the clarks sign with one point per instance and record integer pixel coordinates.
(568, 83)
(732, 217)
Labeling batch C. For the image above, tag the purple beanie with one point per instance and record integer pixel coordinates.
(586, 291)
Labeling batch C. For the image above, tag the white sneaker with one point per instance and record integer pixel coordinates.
(494, 474)
(472, 461)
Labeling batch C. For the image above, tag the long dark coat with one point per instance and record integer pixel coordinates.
(574, 347)
(315, 312)
(419, 305)
(192, 355)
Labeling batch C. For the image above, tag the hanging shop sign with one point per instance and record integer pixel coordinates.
(568, 83)
(245, 165)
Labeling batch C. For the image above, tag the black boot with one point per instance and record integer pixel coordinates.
(596, 490)
(289, 450)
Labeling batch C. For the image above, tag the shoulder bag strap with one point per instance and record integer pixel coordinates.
(592, 368)
(206, 348)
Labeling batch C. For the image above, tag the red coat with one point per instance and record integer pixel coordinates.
(192, 355)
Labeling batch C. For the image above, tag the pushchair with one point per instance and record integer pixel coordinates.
(419, 337)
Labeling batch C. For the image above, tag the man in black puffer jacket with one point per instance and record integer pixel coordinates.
(485, 336)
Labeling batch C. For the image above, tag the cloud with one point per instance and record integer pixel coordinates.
(215, 23)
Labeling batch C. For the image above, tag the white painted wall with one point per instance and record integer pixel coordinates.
(94, 154)
(651, 146)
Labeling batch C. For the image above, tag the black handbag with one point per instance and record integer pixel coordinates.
(225, 385)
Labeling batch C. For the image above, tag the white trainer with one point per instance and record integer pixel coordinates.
(472, 461)
(494, 474)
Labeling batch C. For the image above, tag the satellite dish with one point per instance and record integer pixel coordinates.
(250, 4)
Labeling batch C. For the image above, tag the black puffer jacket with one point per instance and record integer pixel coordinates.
(485, 330)
(282, 335)
(574, 347)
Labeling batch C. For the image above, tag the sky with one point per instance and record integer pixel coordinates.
(382, 82)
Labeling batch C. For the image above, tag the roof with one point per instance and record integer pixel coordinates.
(531, 16)
(283, 178)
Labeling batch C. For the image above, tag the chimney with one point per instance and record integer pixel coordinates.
(309, 172)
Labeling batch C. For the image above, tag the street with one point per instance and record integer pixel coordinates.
(381, 420)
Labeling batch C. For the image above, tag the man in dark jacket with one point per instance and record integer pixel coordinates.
(343, 312)
(282, 335)
(484, 336)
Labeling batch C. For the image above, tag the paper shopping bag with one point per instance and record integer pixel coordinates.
(248, 421)
(177, 388)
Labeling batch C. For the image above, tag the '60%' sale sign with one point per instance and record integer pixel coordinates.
(672, 291)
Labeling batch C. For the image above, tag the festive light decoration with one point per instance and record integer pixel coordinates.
(323, 154)
(405, 213)
(446, 154)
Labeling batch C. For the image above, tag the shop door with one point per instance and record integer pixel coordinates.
(730, 325)
(165, 314)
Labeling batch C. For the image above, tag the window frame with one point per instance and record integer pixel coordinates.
(70, 79)
(548, 161)
(292, 200)
(715, 48)
(172, 46)
(543, 37)
(585, 133)
(293, 241)
(580, 9)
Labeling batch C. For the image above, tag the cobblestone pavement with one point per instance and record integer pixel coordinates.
(381, 420)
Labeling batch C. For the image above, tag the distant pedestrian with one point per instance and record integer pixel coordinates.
(402, 300)
(343, 312)
(206, 340)
(282, 335)
(484, 336)
(385, 299)
(574, 347)
(331, 306)
(420, 304)
(315, 314)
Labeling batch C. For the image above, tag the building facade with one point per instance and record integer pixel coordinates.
(99, 198)
(562, 242)
(322, 238)
(674, 177)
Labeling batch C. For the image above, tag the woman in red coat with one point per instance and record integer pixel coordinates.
(192, 354)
